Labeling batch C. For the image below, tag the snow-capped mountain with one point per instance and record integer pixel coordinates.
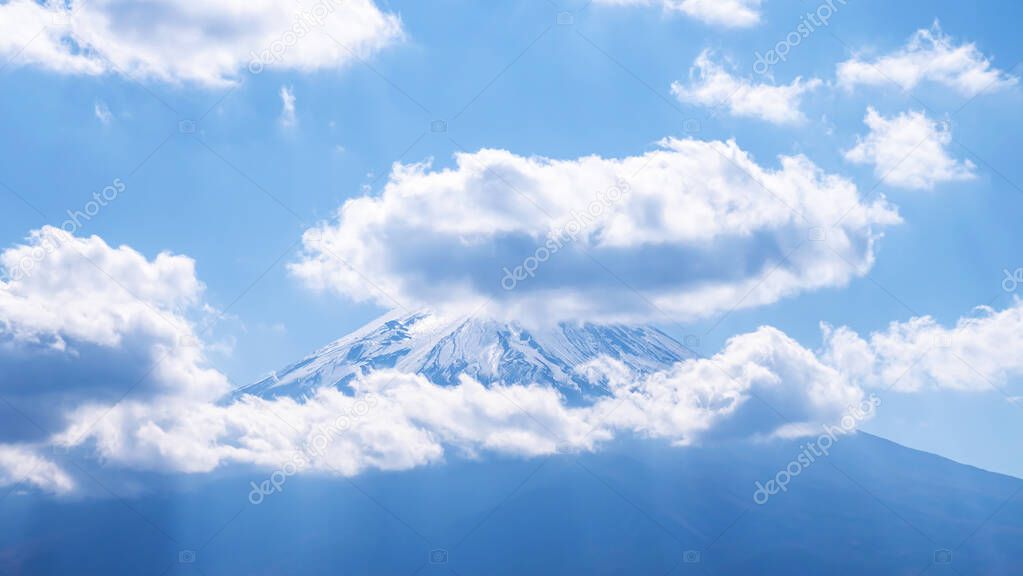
(443, 348)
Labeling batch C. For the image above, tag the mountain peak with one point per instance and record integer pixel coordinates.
(442, 348)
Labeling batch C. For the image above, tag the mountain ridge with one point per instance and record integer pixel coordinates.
(442, 348)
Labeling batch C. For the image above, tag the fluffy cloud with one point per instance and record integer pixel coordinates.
(712, 86)
(981, 352)
(763, 384)
(909, 151)
(693, 227)
(930, 55)
(21, 466)
(83, 322)
(204, 42)
(63, 318)
(60, 287)
(393, 421)
(722, 13)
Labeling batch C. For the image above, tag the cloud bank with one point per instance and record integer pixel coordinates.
(208, 43)
(695, 227)
(980, 353)
(85, 322)
(761, 385)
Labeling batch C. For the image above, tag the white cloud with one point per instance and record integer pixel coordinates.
(85, 323)
(909, 151)
(397, 420)
(932, 56)
(722, 13)
(62, 287)
(287, 107)
(981, 352)
(394, 421)
(209, 43)
(712, 86)
(102, 112)
(71, 335)
(81, 321)
(761, 385)
(20, 465)
(695, 227)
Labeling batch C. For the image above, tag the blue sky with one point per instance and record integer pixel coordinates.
(237, 195)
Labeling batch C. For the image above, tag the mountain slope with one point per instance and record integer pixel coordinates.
(633, 506)
(444, 348)
(636, 507)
